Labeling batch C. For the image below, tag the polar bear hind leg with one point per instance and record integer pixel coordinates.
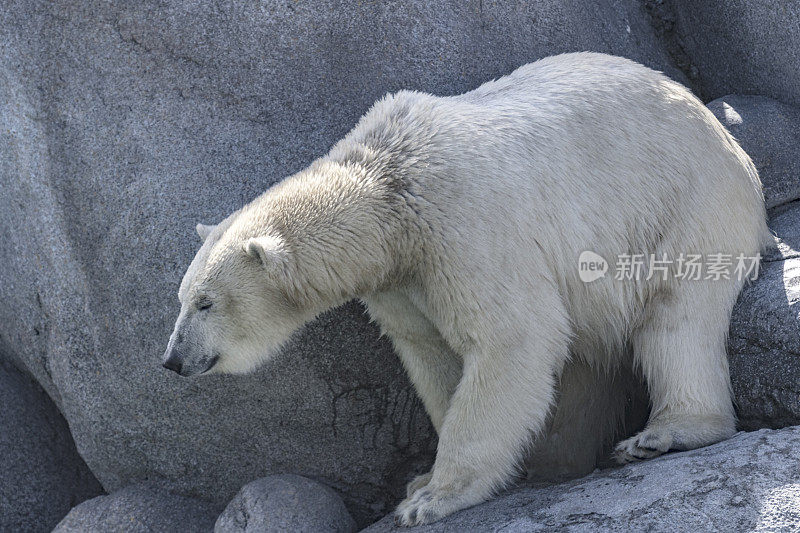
(680, 349)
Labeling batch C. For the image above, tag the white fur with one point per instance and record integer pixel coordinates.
(459, 222)
(204, 230)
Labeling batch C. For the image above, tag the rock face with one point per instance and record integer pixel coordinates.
(735, 46)
(41, 475)
(139, 509)
(285, 503)
(749, 482)
(769, 132)
(764, 341)
(122, 125)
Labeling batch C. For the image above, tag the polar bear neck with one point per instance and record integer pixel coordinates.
(342, 228)
(346, 219)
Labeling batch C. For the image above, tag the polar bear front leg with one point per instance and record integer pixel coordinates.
(432, 366)
(503, 398)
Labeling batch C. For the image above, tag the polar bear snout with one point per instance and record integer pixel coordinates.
(187, 358)
(173, 360)
(189, 350)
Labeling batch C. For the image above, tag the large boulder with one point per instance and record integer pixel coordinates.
(769, 131)
(735, 46)
(123, 124)
(41, 474)
(139, 509)
(747, 483)
(764, 339)
(285, 502)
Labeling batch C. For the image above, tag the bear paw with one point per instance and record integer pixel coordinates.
(646, 445)
(428, 504)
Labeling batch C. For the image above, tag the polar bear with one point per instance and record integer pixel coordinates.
(461, 221)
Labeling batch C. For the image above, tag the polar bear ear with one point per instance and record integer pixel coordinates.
(204, 230)
(270, 250)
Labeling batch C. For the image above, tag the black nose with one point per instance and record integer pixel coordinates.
(173, 361)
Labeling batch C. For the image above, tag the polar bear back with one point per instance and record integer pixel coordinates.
(575, 152)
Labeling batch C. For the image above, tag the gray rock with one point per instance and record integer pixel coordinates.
(123, 124)
(41, 474)
(139, 509)
(769, 132)
(735, 46)
(747, 483)
(285, 502)
(764, 340)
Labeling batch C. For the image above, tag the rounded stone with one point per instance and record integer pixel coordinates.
(285, 503)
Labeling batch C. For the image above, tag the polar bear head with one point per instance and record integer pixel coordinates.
(235, 308)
